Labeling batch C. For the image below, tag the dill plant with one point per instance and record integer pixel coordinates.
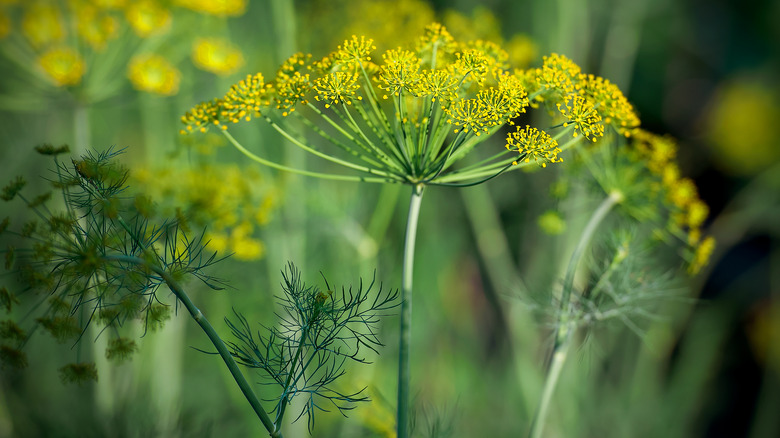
(106, 259)
(417, 117)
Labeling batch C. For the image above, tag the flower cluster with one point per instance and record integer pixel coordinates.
(227, 200)
(589, 102)
(678, 194)
(438, 98)
(65, 38)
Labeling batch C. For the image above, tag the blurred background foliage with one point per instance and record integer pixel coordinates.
(97, 73)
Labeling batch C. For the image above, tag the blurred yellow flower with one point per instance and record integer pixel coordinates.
(63, 65)
(522, 51)
(42, 24)
(552, 223)
(94, 28)
(148, 17)
(217, 56)
(214, 7)
(702, 255)
(154, 74)
(5, 24)
(742, 125)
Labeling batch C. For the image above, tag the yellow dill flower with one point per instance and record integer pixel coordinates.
(471, 64)
(697, 213)
(245, 99)
(148, 17)
(399, 72)
(336, 88)
(682, 192)
(201, 116)
(559, 73)
(552, 223)
(243, 246)
(5, 24)
(217, 241)
(42, 24)
(496, 57)
(581, 113)
(291, 84)
(216, 55)
(702, 255)
(439, 84)
(611, 104)
(658, 151)
(215, 7)
(355, 50)
(94, 27)
(522, 51)
(63, 65)
(511, 86)
(741, 125)
(470, 115)
(436, 39)
(154, 74)
(534, 144)
(499, 105)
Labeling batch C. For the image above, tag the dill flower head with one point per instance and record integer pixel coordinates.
(399, 71)
(154, 74)
(533, 144)
(42, 24)
(291, 90)
(217, 56)
(337, 88)
(583, 115)
(148, 17)
(470, 115)
(558, 73)
(355, 50)
(63, 65)
(613, 107)
(245, 99)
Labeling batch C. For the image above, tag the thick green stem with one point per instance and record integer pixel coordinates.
(204, 324)
(406, 312)
(564, 328)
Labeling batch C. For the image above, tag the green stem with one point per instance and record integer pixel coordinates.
(406, 312)
(204, 324)
(564, 328)
(268, 163)
(291, 373)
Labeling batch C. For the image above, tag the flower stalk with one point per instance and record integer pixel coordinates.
(565, 325)
(208, 329)
(405, 338)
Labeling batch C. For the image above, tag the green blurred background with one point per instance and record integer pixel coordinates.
(704, 72)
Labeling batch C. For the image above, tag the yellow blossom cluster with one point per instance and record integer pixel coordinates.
(437, 79)
(83, 28)
(679, 194)
(231, 202)
(154, 74)
(589, 102)
(217, 55)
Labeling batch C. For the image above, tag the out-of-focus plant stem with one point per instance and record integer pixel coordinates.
(564, 328)
(404, 374)
(207, 328)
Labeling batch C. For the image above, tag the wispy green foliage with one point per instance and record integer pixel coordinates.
(317, 332)
(98, 260)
